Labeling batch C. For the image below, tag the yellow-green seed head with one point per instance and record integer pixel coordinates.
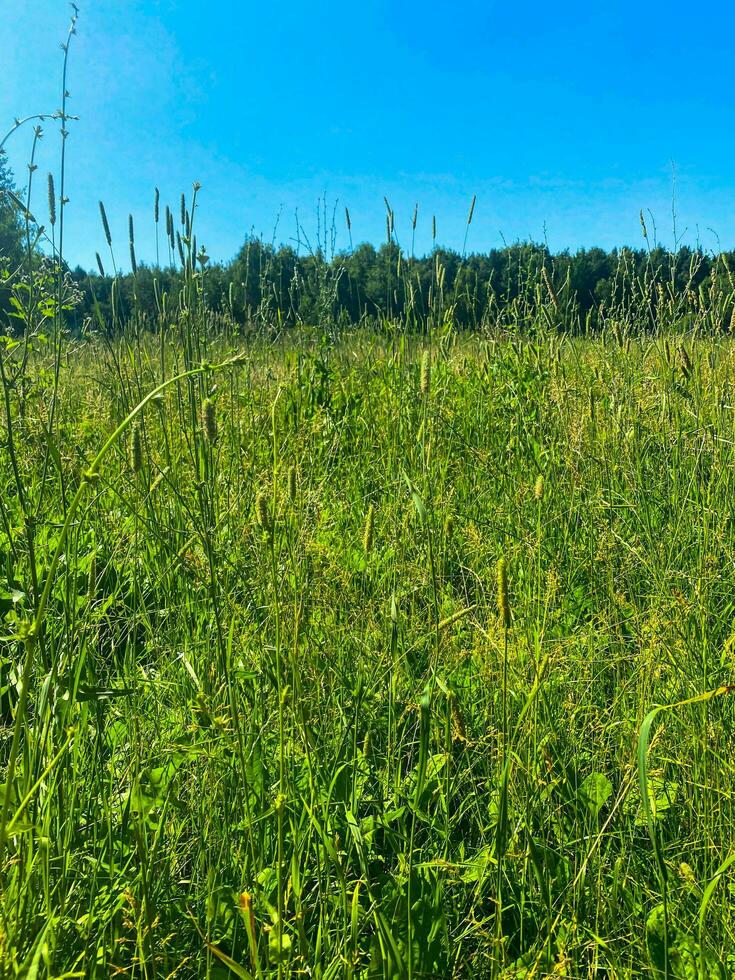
(687, 873)
(459, 731)
(425, 373)
(209, 420)
(538, 490)
(549, 286)
(292, 484)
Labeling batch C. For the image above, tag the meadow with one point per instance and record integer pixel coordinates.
(382, 648)
(343, 659)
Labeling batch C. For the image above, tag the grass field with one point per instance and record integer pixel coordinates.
(342, 660)
(363, 615)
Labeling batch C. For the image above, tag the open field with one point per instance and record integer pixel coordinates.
(367, 588)
(339, 661)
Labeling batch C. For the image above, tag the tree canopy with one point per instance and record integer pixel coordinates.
(11, 232)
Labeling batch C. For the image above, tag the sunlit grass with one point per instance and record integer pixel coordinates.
(272, 662)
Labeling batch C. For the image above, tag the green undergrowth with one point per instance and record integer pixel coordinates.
(278, 720)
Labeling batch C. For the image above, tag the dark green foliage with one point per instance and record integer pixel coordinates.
(12, 251)
(11, 228)
(581, 290)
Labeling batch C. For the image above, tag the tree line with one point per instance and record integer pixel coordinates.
(273, 285)
(368, 284)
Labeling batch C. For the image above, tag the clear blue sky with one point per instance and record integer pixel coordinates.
(564, 117)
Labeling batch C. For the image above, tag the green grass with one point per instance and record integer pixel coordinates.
(240, 699)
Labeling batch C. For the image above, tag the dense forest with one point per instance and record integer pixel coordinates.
(283, 286)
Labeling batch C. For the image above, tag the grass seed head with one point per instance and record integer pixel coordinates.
(261, 511)
(105, 224)
(51, 200)
(292, 484)
(425, 373)
(686, 363)
(209, 420)
(549, 287)
(538, 490)
(503, 603)
(686, 872)
(472, 209)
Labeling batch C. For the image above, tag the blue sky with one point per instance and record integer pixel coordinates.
(564, 119)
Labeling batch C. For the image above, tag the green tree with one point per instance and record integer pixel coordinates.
(11, 233)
